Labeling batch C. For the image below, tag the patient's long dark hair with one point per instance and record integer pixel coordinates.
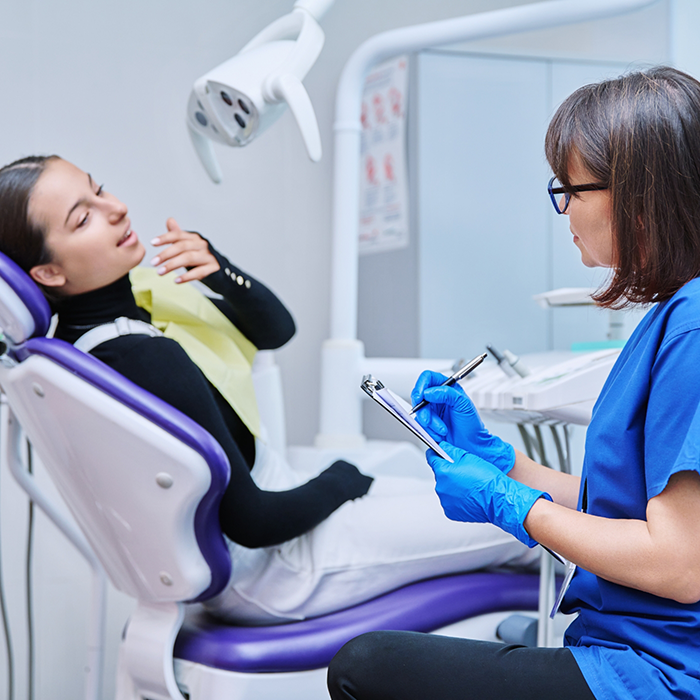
(22, 240)
(640, 135)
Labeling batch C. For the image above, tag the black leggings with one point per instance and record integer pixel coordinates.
(415, 666)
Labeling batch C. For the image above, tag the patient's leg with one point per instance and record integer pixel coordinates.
(395, 535)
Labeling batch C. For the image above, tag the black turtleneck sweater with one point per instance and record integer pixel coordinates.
(249, 516)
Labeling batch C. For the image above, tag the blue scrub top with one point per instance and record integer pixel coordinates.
(645, 428)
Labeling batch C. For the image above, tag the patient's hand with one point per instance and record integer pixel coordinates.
(185, 249)
(354, 483)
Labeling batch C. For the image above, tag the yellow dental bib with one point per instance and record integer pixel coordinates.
(211, 341)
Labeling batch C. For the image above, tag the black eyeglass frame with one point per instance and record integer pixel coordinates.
(568, 191)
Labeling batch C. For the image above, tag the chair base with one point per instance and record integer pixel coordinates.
(199, 682)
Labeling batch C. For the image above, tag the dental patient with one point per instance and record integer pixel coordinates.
(299, 547)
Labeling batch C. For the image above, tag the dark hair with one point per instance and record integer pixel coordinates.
(640, 135)
(22, 240)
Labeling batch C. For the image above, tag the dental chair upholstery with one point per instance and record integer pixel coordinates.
(144, 483)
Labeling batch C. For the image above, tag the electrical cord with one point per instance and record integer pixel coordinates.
(30, 607)
(568, 448)
(30, 616)
(534, 445)
(540, 443)
(527, 441)
(563, 458)
(8, 638)
(535, 448)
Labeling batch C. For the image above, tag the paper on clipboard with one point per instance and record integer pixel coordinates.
(398, 408)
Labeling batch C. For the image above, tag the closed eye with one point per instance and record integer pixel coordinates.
(98, 193)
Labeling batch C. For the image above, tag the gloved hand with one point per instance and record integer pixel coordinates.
(474, 491)
(452, 416)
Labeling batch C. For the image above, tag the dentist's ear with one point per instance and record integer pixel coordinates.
(49, 275)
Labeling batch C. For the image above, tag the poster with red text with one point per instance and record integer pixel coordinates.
(383, 172)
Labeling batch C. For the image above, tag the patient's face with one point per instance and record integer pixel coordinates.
(87, 231)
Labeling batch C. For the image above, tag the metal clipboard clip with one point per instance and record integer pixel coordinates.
(398, 408)
(370, 385)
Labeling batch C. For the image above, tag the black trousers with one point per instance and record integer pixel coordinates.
(415, 666)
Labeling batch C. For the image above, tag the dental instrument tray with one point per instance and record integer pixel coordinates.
(398, 408)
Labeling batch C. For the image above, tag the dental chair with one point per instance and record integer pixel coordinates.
(143, 483)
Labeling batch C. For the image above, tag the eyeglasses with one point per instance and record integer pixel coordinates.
(554, 189)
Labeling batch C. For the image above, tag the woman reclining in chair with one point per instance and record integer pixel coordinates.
(300, 548)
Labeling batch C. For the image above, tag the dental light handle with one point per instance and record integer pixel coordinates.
(290, 89)
(205, 151)
(286, 86)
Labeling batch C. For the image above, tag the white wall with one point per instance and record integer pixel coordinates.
(684, 20)
(105, 85)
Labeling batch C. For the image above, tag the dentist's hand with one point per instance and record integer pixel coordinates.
(474, 491)
(185, 249)
(451, 415)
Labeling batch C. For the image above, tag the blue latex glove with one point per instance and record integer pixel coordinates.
(474, 491)
(452, 416)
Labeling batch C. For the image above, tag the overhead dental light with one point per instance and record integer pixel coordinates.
(238, 100)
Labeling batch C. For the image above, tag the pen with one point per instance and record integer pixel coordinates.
(459, 374)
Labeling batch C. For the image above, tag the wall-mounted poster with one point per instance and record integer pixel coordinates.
(383, 172)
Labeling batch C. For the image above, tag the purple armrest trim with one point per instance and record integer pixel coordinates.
(422, 607)
(28, 292)
(207, 528)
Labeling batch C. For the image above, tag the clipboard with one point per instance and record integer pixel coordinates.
(398, 408)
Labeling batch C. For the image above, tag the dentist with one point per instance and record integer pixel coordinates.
(626, 160)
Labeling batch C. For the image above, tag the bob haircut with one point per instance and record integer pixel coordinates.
(640, 136)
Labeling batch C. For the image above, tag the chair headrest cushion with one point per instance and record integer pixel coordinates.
(24, 312)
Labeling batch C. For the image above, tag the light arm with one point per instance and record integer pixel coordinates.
(316, 8)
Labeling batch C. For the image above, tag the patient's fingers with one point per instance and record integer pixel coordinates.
(184, 249)
(195, 246)
(175, 234)
(197, 273)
